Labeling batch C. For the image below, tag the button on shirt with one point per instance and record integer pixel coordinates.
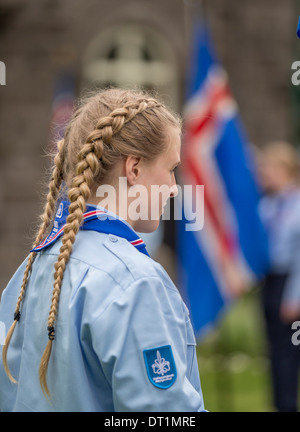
(124, 340)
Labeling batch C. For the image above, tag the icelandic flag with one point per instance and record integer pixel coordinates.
(230, 251)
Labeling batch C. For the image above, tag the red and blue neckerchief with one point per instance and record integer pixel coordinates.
(94, 219)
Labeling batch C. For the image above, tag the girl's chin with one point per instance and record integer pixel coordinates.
(148, 226)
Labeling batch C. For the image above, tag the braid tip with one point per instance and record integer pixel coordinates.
(43, 369)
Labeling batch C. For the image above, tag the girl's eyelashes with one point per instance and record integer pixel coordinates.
(174, 170)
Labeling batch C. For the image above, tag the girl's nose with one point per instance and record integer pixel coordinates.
(173, 191)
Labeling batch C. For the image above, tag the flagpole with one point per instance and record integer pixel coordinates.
(192, 9)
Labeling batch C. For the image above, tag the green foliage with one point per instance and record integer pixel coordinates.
(233, 363)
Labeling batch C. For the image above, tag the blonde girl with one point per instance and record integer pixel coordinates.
(94, 324)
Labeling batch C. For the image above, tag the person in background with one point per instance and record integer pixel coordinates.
(280, 211)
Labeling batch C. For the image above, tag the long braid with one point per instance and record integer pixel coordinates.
(88, 167)
(54, 188)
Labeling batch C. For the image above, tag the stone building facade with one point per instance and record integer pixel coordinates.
(125, 42)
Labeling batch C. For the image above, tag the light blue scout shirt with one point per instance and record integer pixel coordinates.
(281, 215)
(123, 337)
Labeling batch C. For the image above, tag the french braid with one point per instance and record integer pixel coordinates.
(54, 188)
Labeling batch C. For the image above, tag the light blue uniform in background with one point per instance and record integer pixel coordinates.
(281, 215)
(123, 337)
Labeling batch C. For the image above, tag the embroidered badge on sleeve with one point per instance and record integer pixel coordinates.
(160, 366)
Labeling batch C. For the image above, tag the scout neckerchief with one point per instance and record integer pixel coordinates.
(94, 219)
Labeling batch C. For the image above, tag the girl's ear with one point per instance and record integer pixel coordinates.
(132, 169)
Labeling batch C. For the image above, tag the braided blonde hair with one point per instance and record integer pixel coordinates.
(54, 188)
(105, 128)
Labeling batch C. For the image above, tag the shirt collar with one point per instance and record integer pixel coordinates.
(95, 218)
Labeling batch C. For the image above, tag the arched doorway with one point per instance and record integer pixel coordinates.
(133, 55)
